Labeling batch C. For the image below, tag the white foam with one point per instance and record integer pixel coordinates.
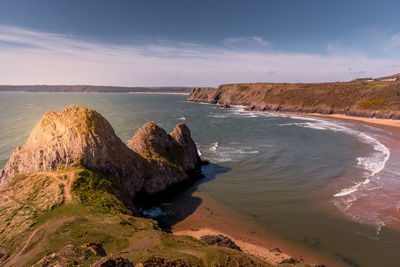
(155, 213)
(373, 164)
(347, 191)
(182, 118)
(219, 116)
(379, 227)
(221, 153)
(214, 146)
(374, 188)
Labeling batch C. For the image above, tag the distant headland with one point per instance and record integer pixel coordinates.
(92, 89)
(377, 98)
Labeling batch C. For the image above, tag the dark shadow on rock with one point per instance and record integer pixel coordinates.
(180, 202)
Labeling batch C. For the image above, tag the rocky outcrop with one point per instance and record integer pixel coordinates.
(220, 241)
(169, 157)
(73, 137)
(373, 99)
(188, 157)
(112, 262)
(77, 136)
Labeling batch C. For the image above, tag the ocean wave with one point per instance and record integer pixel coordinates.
(240, 111)
(182, 118)
(219, 153)
(219, 116)
(214, 147)
(372, 164)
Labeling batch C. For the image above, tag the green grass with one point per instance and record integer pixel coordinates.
(95, 190)
(97, 215)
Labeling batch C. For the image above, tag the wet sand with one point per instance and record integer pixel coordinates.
(390, 215)
(375, 121)
(213, 218)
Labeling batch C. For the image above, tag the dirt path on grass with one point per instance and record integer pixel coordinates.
(50, 228)
(26, 244)
(66, 182)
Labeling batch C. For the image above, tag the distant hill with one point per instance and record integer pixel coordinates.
(91, 89)
(391, 78)
(364, 97)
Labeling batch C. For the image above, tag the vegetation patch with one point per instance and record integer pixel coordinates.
(95, 191)
(376, 103)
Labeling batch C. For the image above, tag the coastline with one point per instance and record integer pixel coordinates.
(158, 93)
(213, 218)
(374, 121)
(138, 93)
(207, 218)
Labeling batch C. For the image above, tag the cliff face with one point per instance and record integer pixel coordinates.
(168, 156)
(380, 99)
(67, 197)
(77, 136)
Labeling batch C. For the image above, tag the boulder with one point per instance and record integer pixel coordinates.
(219, 240)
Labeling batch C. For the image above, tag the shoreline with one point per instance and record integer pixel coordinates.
(269, 255)
(138, 93)
(374, 121)
(214, 218)
(205, 221)
(158, 93)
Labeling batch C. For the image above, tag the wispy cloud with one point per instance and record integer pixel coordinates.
(255, 40)
(33, 57)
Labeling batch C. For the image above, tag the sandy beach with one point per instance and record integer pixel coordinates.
(375, 121)
(213, 218)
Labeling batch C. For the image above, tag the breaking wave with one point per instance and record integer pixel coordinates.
(372, 164)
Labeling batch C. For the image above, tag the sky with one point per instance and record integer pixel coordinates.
(196, 43)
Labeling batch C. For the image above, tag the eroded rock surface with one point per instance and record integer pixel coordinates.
(169, 157)
(219, 240)
(78, 136)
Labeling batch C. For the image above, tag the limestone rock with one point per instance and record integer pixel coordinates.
(77, 136)
(72, 137)
(190, 159)
(169, 156)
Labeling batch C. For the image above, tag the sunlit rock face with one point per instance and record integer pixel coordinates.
(169, 157)
(77, 136)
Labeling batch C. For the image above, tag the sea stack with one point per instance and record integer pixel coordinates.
(78, 136)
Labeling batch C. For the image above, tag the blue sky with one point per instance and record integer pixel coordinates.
(196, 43)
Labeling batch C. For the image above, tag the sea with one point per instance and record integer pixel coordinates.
(330, 185)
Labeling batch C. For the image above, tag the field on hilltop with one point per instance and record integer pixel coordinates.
(375, 98)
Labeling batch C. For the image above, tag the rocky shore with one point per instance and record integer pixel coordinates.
(76, 136)
(70, 196)
(374, 99)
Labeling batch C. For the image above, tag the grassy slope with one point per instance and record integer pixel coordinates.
(339, 96)
(37, 219)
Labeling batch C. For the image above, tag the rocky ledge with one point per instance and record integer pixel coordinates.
(81, 137)
(370, 99)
